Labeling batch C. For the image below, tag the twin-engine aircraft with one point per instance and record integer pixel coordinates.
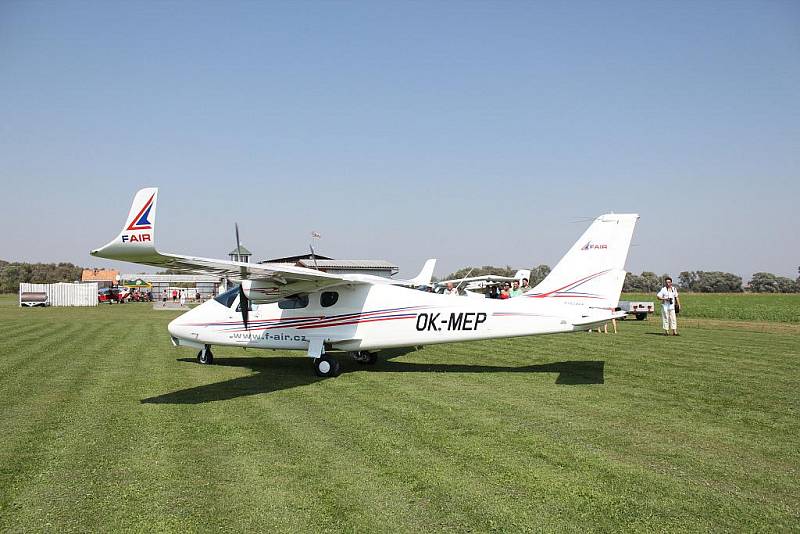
(286, 307)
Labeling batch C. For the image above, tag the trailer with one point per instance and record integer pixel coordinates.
(60, 294)
(33, 298)
(639, 309)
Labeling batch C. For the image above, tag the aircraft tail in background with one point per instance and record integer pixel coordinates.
(138, 236)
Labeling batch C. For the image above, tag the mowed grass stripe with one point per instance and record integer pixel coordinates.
(350, 458)
(423, 440)
(37, 361)
(22, 344)
(34, 430)
(536, 428)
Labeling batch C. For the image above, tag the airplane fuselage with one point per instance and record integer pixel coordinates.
(369, 317)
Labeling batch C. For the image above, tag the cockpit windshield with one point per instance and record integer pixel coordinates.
(227, 298)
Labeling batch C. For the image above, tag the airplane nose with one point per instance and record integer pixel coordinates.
(174, 328)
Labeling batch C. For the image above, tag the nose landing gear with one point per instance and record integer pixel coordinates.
(326, 366)
(205, 356)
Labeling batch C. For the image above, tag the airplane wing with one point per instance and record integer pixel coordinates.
(262, 283)
(485, 278)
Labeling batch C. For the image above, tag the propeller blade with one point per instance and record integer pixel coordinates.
(242, 270)
(244, 305)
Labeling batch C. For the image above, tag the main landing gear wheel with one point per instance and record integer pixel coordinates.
(326, 367)
(205, 356)
(365, 358)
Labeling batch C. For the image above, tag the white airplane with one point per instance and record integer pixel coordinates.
(286, 307)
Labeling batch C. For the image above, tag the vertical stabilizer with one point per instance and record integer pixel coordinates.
(425, 275)
(138, 236)
(593, 270)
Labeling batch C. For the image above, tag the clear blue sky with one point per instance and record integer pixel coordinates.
(477, 133)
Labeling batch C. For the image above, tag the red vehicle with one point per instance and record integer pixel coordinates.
(113, 294)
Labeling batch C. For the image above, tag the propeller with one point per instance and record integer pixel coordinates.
(244, 303)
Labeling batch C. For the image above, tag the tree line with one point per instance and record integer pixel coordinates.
(14, 273)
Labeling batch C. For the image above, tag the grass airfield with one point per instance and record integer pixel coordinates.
(104, 426)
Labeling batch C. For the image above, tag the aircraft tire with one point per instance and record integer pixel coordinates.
(364, 357)
(641, 316)
(326, 367)
(205, 357)
(369, 358)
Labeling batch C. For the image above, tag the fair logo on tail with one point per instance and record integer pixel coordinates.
(141, 222)
(593, 246)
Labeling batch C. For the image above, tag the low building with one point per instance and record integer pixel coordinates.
(103, 277)
(206, 285)
(240, 254)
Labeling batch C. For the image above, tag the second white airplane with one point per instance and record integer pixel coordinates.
(277, 307)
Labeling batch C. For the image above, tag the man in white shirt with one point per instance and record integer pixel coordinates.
(451, 290)
(668, 296)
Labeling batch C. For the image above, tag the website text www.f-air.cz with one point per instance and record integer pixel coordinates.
(268, 336)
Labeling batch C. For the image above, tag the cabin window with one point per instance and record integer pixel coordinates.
(294, 302)
(227, 298)
(328, 298)
(249, 306)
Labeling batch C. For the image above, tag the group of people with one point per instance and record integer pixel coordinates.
(141, 296)
(505, 290)
(178, 296)
(508, 290)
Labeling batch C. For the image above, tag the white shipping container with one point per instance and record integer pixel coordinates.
(63, 294)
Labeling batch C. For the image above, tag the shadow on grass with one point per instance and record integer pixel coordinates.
(279, 373)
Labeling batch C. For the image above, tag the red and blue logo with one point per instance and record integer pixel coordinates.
(141, 221)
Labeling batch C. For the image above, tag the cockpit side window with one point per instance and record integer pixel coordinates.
(328, 298)
(227, 298)
(294, 302)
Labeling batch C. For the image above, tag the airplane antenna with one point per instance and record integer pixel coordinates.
(314, 235)
(462, 278)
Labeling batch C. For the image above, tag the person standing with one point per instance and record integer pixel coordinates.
(670, 303)
(183, 298)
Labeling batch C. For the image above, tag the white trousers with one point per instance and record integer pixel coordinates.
(668, 319)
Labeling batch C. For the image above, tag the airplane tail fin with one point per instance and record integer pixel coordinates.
(522, 273)
(138, 236)
(425, 275)
(592, 272)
